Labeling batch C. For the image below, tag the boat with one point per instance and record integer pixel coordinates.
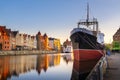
(67, 47)
(87, 40)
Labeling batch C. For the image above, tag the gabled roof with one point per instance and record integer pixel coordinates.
(14, 33)
(45, 35)
(117, 33)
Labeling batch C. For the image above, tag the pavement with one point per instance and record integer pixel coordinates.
(113, 70)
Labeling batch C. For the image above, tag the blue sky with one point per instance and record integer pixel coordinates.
(58, 17)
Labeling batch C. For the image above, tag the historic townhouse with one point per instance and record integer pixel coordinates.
(26, 42)
(46, 41)
(54, 44)
(4, 38)
(42, 41)
(51, 43)
(14, 39)
(33, 42)
(57, 44)
(38, 38)
(116, 36)
(19, 42)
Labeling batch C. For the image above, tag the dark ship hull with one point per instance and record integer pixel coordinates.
(87, 42)
(85, 45)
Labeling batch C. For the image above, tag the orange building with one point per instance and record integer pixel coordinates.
(4, 38)
(42, 41)
(45, 41)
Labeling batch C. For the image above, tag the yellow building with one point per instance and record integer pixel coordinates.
(57, 44)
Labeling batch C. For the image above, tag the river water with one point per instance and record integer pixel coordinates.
(60, 66)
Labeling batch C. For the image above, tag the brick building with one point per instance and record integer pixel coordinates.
(116, 36)
(4, 38)
(42, 41)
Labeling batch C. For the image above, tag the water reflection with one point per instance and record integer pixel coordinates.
(45, 61)
(44, 67)
(36, 67)
(81, 69)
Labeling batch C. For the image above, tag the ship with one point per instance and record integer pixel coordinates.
(87, 40)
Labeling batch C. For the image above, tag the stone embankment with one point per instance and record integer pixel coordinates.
(25, 52)
(113, 72)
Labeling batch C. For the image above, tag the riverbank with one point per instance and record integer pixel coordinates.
(25, 52)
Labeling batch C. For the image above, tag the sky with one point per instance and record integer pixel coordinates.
(58, 17)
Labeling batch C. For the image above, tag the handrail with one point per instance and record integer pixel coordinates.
(97, 72)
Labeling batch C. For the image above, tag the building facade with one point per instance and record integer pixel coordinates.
(13, 40)
(116, 36)
(116, 41)
(4, 38)
(54, 44)
(42, 41)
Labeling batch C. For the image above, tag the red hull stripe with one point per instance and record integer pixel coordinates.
(86, 54)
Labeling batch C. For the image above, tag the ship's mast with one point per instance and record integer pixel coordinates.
(88, 22)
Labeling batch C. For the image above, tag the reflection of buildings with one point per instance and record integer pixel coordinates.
(81, 69)
(68, 57)
(44, 61)
(4, 67)
(15, 65)
(22, 64)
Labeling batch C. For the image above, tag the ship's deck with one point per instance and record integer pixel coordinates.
(113, 71)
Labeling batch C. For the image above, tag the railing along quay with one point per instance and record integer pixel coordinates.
(99, 70)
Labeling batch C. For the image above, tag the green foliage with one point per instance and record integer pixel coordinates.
(108, 46)
(116, 45)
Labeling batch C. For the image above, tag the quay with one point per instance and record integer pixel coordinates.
(113, 70)
(25, 52)
(107, 68)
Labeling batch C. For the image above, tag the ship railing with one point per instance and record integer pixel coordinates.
(99, 70)
(89, 20)
(81, 30)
